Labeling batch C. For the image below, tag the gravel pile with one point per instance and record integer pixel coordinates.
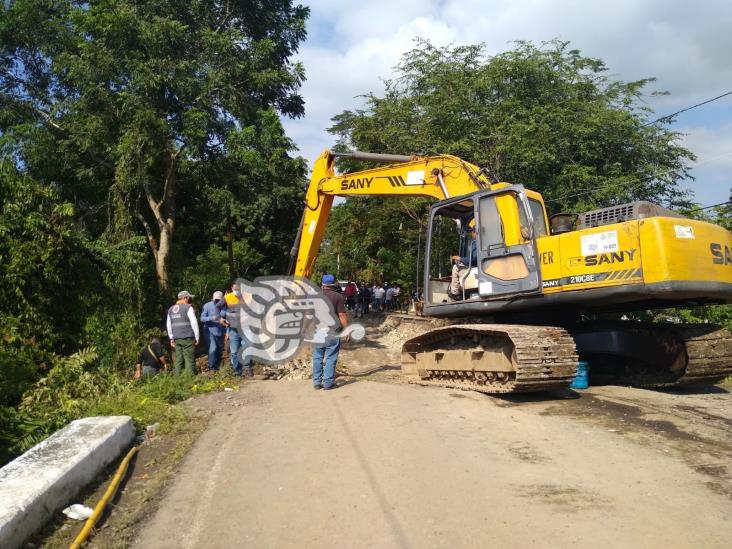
(384, 336)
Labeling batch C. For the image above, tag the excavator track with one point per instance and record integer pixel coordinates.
(708, 354)
(643, 354)
(492, 358)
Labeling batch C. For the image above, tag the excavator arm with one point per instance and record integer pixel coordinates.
(440, 177)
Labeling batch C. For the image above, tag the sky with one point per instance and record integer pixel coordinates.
(352, 47)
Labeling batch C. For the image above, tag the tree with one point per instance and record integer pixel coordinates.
(546, 117)
(375, 242)
(252, 198)
(126, 105)
(43, 262)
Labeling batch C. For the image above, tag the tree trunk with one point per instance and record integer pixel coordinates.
(162, 259)
(163, 211)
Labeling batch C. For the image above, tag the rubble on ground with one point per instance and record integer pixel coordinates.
(395, 330)
(296, 369)
(381, 347)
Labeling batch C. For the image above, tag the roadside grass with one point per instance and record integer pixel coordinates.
(75, 387)
(155, 400)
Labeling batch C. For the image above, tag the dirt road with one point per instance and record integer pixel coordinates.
(375, 464)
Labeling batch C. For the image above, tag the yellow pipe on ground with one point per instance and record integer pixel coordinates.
(108, 495)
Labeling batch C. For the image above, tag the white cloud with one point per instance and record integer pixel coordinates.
(713, 168)
(354, 45)
(713, 146)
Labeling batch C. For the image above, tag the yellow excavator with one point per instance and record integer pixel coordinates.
(526, 298)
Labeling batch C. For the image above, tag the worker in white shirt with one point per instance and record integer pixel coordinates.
(183, 332)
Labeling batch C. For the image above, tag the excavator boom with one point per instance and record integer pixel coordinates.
(438, 177)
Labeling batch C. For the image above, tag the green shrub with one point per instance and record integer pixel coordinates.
(63, 394)
(77, 387)
(143, 409)
(19, 360)
(168, 387)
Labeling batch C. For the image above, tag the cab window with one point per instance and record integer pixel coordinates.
(537, 212)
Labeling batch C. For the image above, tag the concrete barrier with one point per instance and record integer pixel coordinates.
(48, 476)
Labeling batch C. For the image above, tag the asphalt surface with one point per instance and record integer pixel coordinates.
(374, 464)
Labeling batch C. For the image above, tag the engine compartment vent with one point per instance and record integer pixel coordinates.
(623, 212)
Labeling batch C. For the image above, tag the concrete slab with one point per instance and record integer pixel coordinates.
(47, 477)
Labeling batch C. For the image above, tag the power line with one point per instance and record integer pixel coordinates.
(609, 184)
(641, 181)
(687, 109)
(701, 208)
(648, 179)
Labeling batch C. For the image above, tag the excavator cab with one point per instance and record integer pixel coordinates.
(503, 260)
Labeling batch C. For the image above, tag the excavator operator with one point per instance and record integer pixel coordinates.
(459, 263)
(471, 260)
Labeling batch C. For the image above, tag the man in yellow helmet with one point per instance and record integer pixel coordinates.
(234, 299)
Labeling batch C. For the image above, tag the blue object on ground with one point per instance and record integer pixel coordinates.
(582, 379)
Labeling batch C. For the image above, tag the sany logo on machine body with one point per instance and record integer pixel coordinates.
(721, 255)
(359, 183)
(624, 274)
(413, 177)
(614, 257)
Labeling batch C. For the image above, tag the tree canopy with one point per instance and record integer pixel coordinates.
(134, 109)
(141, 153)
(544, 116)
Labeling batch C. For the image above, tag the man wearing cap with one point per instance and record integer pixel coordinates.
(324, 377)
(213, 318)
(461, 263)
(183, 332)
(471, 260)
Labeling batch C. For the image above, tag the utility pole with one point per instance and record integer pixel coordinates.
(230, 249)
(419, 245)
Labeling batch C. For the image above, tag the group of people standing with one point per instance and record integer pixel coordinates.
(362, 298)
(219, 325)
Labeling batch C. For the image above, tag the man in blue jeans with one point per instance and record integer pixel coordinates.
(213, 318)
(324, 378)
(234, 299)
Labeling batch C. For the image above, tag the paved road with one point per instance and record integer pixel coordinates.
(388, 465)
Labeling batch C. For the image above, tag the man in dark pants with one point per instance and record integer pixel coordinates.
(182, 327)
(150, 360)
(365, 296)
(324, 377)
(350, 294)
